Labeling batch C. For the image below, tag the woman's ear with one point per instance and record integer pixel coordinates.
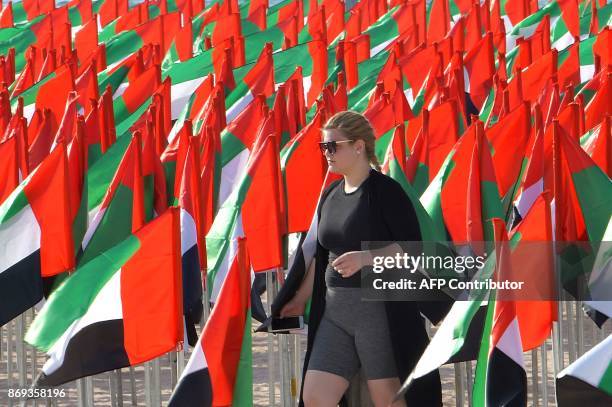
(360, 146)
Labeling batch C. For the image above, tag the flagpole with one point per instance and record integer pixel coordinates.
(119, 387)
(21, 362)
(544, 351)
(89, 401)
(173, 358)
(205, 298)
(270, 339)
(285, 357)
(133, 394)
(147, 377)
(80, 392)
(571, 335)
(156, 398)
(111, 388)
(534, 376)
(580, 328)
(557, 325)
(458, 385)
(180, 362)
(9, 356)
(470, 380)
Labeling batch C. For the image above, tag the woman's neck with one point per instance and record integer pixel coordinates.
(355, 177)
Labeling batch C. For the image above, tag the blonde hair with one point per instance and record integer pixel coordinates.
(355, 126)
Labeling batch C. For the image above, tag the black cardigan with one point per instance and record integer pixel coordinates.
(395, 221)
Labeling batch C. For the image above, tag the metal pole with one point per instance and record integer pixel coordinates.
(119, 377)
(544, 352)
(9, 356)
(285, 357)
(458, 385)
(81, 392)
(147, 376)
(90, 391)
(270, 340)
(34, 364)
(133, 386)
(205, 302)
(297, 356)
(112, 388)
(580, 325)
(21, 356)
(284, 370)
(571, 335)
(156, 390)
(180, 362)
(172, 357)
(470, 381)
(534, 376)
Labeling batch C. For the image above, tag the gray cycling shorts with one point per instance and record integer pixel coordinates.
(353, 333)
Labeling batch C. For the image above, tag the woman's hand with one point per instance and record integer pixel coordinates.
(349, 263)
(294, 307)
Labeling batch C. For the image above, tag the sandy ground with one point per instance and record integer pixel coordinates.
(130, 383)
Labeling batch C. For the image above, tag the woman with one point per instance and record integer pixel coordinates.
(386, 338)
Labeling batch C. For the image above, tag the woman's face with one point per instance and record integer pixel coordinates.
(345, 155)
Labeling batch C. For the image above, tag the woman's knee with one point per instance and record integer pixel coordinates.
(382, 392)
(322, 389)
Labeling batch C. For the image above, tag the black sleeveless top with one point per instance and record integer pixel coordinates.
(344, 224)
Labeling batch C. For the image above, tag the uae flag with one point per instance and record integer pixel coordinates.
(120, 309)
(468, 324)
(220, 371)
(587, 381)
(252, 210)
(35, 235)
(192, 245)
(500, 378)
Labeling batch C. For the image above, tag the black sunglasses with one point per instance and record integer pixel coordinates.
(331, 146)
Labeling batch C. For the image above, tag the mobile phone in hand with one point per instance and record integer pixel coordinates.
(286, 324)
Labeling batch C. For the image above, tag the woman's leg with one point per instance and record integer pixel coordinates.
(382, 392)
(323, 389)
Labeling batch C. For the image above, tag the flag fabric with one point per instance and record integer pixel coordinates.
(468, 323)
(123, 209)
(106, 315)
(35, 226)
(219, 371)
(190, 202)
(588, 379)
(243, 214)
(500, 377)
(496, 109)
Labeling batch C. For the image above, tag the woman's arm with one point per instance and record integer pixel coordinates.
(305, 290)
(296, 305)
